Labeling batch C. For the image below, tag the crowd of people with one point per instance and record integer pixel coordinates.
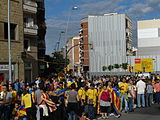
(76, 98)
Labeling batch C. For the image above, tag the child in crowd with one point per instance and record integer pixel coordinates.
(19, 112)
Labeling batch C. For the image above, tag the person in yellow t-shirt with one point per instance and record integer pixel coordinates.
(76, 82)
(82, 98)
(123, 86)
(82, 94)
(27, 102)
(69, 83)
(13, 92)
(92, 95)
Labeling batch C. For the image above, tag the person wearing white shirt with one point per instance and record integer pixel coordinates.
(141, 86)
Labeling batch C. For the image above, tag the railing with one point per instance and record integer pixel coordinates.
(30, 3)
(31, 29)
(30, 6)
(31, 26)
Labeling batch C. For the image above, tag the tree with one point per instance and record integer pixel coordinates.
(117, 66)
(56, 63)
(104, 68)
(125, 66)
(110, 67)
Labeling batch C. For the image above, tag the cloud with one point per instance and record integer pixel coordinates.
(54, 28)
(101, 7)
(57, 24)
(142, 9)
(136, 9)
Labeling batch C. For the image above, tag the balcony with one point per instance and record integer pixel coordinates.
(30, 6)
(31, 30)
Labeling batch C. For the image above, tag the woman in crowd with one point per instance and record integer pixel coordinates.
(28, 102)
(72, 106)
(44, 102)
(149, 94)
(105, 103)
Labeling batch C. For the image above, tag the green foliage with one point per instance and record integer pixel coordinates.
(117, 66)
(104, 68)
(110, 67)
(56, 63)
(125, 66)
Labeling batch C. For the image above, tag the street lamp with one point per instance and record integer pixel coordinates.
(74, 8)
(69, 16)
(66, 31)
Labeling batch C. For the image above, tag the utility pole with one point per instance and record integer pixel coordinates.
(9, 44)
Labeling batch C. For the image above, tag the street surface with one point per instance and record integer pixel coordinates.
(150, 113)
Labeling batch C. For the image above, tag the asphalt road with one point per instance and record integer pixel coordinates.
(149, 113)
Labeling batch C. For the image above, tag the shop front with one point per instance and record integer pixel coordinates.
(4, 72)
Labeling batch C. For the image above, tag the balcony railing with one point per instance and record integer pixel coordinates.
(30, 6)
(31, 30)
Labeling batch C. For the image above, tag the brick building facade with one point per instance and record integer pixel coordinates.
(84, 48)
(25, 38)
(74, 54)
(17, 38)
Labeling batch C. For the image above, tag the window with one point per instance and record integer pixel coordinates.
(12, 31)
(1, 30)
(29, 22)
(27, 45)
(127, 23)
(28, 76)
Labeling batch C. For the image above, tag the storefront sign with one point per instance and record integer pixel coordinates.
(144, 65)
(5, 67)
(28, 65)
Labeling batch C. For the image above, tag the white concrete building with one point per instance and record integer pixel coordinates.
(148, 37)
(111, 37)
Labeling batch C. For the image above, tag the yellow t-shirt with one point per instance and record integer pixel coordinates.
(82, 93)
(15, 96)
(76, 84)
(92, 94)
(69, 84)
(100, 81)
(123, 87)
(27, 100)
(109, 88)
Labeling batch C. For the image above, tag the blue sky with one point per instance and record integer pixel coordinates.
(57, 12)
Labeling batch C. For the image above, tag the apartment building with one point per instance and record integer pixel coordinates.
(111, 38)
(74, 54)
(84, 47)
(27, 22)
(148, 37)
(30, 39)
(17, 39)
(41, 35)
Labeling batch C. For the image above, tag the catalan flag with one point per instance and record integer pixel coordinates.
(22, 111)
(116, 99)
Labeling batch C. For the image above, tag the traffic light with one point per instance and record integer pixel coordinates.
(91, 46)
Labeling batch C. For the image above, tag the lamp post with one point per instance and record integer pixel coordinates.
(69, 16)
(66, 32)
(9, 45)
